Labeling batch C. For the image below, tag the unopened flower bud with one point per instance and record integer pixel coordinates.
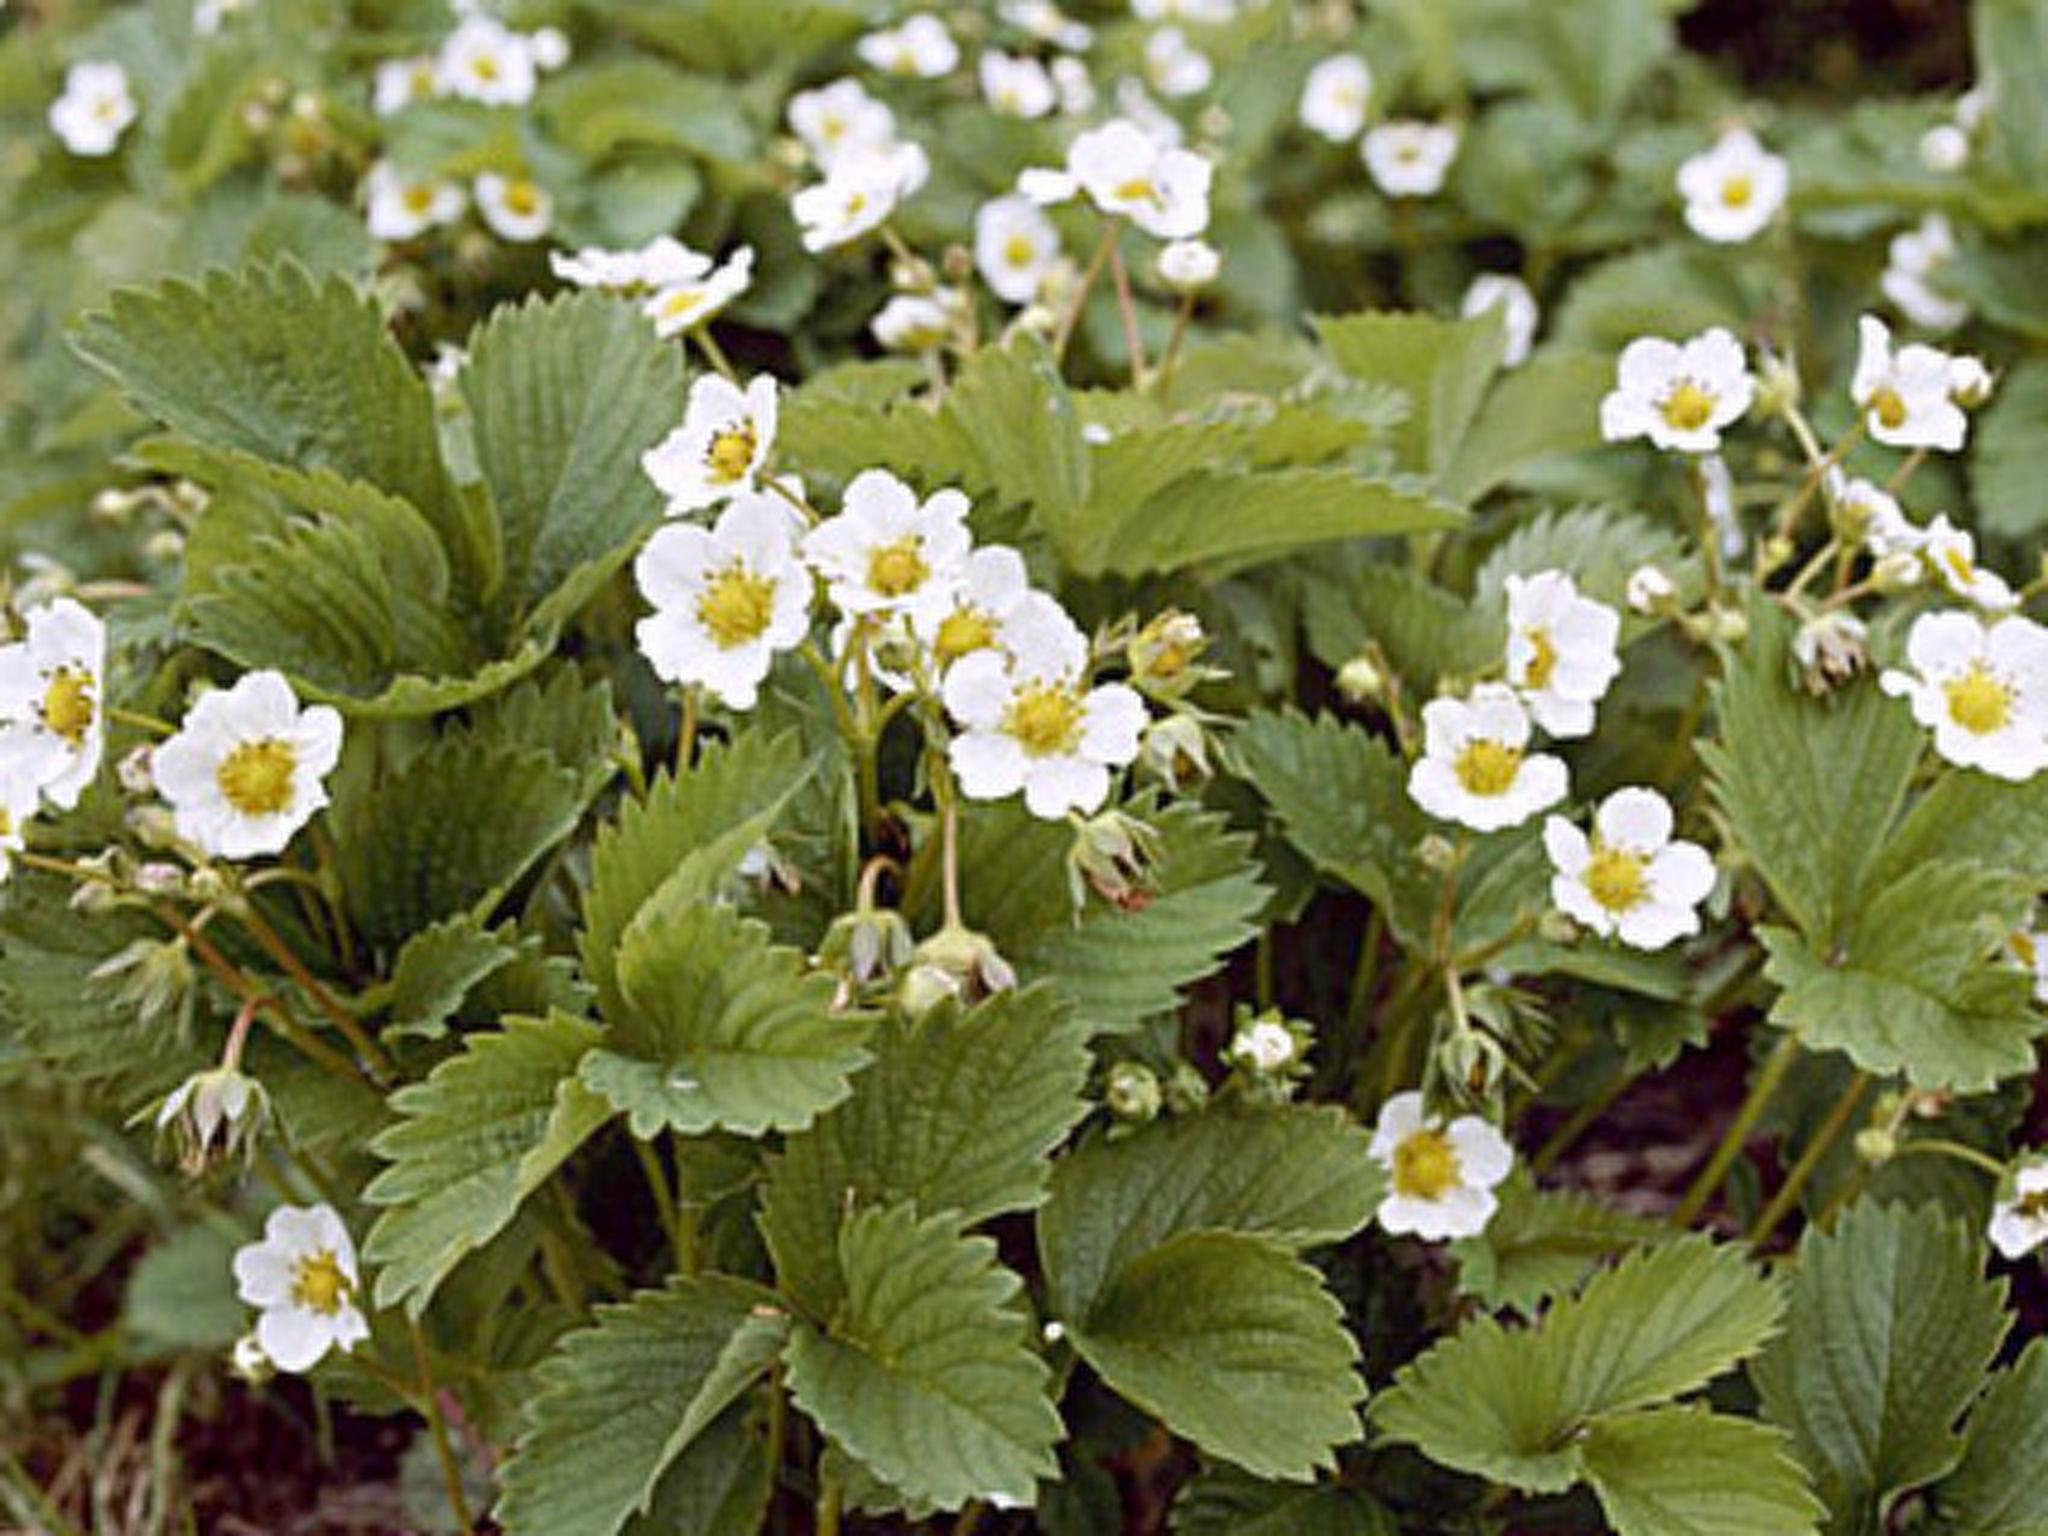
(1557, 927)
(164, 546)
(1436, 852)
(159, 879)
(954, 962)
(152, 825)
(1175, 751)
(1166, 653)
(1969, 382)
(249, 1362)
(1729, 624)
(1132, 1092)
(868, 944)
(212, 1116)
(1361, 681)
(1650, 590)
(1945, 148)
(133, 773)
(1876, 1146)
(1778, 389)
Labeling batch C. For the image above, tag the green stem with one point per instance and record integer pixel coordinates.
(1768, 1081)
(1937, 1146)
(437, 1426)
(713, 352)
(266, 937)
(1127, 309)
(686, 733)
(658, 1187)
(829, 1497)
(1162, 381)
(1810, 1156)
(1065, 332)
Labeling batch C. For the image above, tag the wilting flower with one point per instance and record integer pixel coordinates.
(1015, 247)
(1631, 880)
(403, 209)
(1408, 158)
(719, 449)
(244, 772)
(1906, 396)
(95, 108)
(1561, 650)
(1518, 314)
(1440, 1178)
(1476, 767)
(516, 207)
(52, 706)
(1982, 691)
(1334, 100)
(303, 1276)
(212, 1116)
(888, 553)
(1732, 190)
(1677, 395)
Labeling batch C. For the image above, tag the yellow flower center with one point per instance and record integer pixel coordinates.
(1425, 1166)
(731, 452)
(1616, 878)
(2032, 1206)
(1688, 407)
(418, 199)
(2021, 943)
(484, 67)
(318, 1283)
(898, 569)
(67, 704)
(1544, 660)
(1045, 718)
(522, 197)
(1888, 408)
(962, 632)
(1979, 701)
(681, 303)
(1018, 251)
(737, 606)
(256, 777)
(1487, 767)
(830, 127)
(1736, 191)
(1960, 566)
(1139, 189)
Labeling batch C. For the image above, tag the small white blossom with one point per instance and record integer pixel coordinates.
(721, 445)
(1518, 313)
(1264, 1046)
(1076, 87)
(1174, 66)
(1334, 100)
(661, 263)
(917, 322)
(2019, 1222)
(52, 707)
(1186, 265)
(1409, 158)
(1945, 148)
(1649, 589)
(1016, 85)
(686, 303)
(1440, 1178)
(401, 82)
(841, 119)
(1015, 247)
(1631, 880)
(857, 194)
(1982, 691)
(1677, 395)
(1561, 654)
(303, 1277)
(1916, 258)
(549, 47)
(1969, 382)
(1031, 722)
(95, 108)
(887, 553)
(244, 772)
(1126, 172)
(403, 209)
(1887, 531)
(991, 600)
(1476, 768)
(1951, 553)
(483, 60)
(1905, 395)
(516, 207)
(1732, 190)
(1045, 21)
(921, 48)
(726, 599)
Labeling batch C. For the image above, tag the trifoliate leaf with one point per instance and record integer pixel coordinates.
(564, 396)
(925, 1373)
(2000, 1488)
(720, 1029)
(1688, 1472)
(1973, 816)
(1892, 1327)
(1542, 1242)
(1223, 1501)
(618, 1403)
(1443, 365)
(1296, 1175)
(484, 1131)
(1234, 1343)
(956, 1114)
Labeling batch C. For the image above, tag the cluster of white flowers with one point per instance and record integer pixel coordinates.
(960, 624)
(682, 289)
(1406, 157)
(399, 208)
(867, 170)
(482, 60)
(95, 108)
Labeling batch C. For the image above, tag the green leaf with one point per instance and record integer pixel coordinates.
(926, 1374)
(1424, 630)
(1671, 290)
(436, 969)
(602, 107)
(1548, 407)
(1892, 1327)
(2008, 462)
(485, 1130)
(564, 396)
(620, 1402)
(1298, 1176)
(1509, 1405)
(1600, 546)
(176, 1299)
(1223, 1501)
(957, 1114)
(1997, 1488)
(1687, 1472)
(1543, 1242)
(1444, 366)
(2009, 39)
(721, 1029)
(1233, 1343)
(718, 1486)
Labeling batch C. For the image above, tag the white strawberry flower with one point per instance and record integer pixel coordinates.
(1176, 67)
(1015, 247)
(1476, 768)
(1734, 189)
(990, 598)
(1127, 173)
(1076, 87)
(400, 208)
(2019, 1220)
(1508, 294)
(399, 83)
(244, 772)
(1334, 100)
(1561, 655)
(1951, 553)
(517, 208)
(303, 1277)
(1887, 531)
(721, 445)
(921, 48)
(1913, 267)
(1440, 1178)
(685, 303)
(95, 108)
(858, 193)
(1982, 691)
(841, 119)
(1631, 880)
(1016, 85)
(549, 47)
(1408, 158)
(1677, 395)
(887, 553)
(918, 322)
(661, 263)
(726, 599)
(483, 60)
(52, 705)
(1188, 265)
(1906, 396)
(1649, 589)
(1045, 21)
(1030, 721)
